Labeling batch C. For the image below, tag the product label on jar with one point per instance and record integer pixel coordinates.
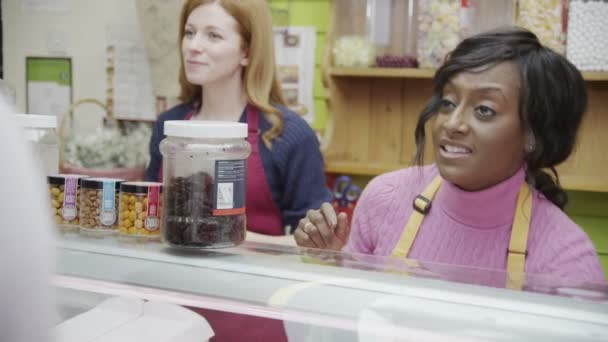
(108, 204)
(69, 210)
(152, 221)
(230, 187)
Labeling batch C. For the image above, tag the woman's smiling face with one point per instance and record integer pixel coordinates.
(478, 136)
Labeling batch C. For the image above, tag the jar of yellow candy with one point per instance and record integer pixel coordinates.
(64, 191)
(140, 210)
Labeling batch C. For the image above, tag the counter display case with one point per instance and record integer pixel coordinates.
(332, 296)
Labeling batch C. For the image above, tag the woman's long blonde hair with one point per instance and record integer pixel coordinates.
(259, 75)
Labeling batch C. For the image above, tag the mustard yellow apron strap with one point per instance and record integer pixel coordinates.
(516, 255)
(422, 204)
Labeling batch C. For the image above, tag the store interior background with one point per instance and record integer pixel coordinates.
(81, 32)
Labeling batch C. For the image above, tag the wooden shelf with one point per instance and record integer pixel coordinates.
(382, 72)
(360, 169)
(568, 182)
(595, 76)
(422, 73)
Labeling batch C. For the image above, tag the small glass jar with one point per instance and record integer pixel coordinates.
(204, 180)
(40, 132)
(64, 191)
(99, 205)
(140, 210)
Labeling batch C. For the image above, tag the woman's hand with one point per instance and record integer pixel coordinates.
(322, 228)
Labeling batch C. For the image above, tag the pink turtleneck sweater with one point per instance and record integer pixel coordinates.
(470, 228)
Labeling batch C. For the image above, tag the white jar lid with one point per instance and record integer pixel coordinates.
(205, 129)
(36, 121)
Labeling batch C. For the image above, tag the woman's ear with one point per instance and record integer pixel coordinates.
(244, 61)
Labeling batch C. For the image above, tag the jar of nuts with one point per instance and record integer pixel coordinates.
(140, 209)
(99, 205)
(64, 191)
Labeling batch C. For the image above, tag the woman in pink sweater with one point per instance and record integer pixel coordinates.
(504, 109)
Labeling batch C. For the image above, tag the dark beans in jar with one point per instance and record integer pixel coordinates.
(188, 219)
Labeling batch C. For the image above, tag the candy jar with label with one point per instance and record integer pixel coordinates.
(204, 183)
(99, 205)
(64, 191)
(140, 210)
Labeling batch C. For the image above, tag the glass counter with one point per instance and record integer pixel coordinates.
(332, 296)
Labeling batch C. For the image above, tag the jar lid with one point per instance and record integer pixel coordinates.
(60, 179)
(205, 129)
(97, 183)
(36, 121)
(139, 187)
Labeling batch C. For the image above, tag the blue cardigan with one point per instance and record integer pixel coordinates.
(293, 167)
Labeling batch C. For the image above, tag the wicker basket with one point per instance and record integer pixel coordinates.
(129, 174)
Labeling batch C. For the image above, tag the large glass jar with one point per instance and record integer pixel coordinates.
(204, 177)
(375, 32)
(40, 132)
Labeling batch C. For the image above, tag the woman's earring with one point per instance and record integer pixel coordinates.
(531, 144)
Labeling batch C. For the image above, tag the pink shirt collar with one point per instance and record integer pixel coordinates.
(490, 208)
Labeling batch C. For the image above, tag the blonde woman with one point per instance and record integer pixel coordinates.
(228, 73)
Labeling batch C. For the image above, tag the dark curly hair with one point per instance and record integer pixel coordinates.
(552, 100)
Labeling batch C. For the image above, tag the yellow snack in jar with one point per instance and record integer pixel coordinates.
(139, 224)
(136, 204)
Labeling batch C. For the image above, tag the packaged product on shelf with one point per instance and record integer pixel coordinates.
(352, 46)
(392, 26)
(477, 16)
(353, 51)
(438, 31)
(99, 205)
(546, 18)
(140, 209)
(204, 183)
(64, 191)
(587, 44)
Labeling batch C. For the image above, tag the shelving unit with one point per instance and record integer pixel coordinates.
(409, 73)
(374, 112)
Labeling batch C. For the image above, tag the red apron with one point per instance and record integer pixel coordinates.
(262, 217)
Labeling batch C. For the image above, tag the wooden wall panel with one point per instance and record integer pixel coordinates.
(415, 95)
(358, 120)
(386, 115)
(586, 168)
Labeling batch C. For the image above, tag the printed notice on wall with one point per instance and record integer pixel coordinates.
(129, 71)
(295, 54)
(49, 85)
